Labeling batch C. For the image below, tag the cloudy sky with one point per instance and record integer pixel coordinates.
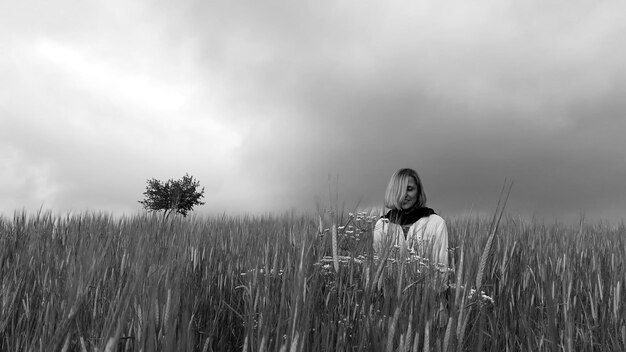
(263, 101)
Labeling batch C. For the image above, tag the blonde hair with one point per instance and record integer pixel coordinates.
(396, 189)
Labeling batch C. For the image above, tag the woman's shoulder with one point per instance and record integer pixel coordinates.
(382, 221)
(436, 219)
(432, 219)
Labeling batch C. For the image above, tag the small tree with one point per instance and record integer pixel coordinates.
(174, 195)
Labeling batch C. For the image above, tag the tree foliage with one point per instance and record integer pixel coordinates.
(178, 196)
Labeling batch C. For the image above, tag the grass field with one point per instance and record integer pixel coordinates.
(87, 282)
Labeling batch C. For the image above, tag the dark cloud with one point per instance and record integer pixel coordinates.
(467, 102)
(467, 94)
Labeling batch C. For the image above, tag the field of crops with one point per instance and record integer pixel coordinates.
(87, 282)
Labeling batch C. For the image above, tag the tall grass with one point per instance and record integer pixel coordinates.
(89, 282)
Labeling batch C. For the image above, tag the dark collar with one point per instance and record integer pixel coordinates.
(408, 217)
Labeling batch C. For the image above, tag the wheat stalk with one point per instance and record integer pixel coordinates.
(392, 328)
(409, 335)
(416, 341)
(334, 244)
(207, 343)
(427, 336)
(487, 252)
(294, 343)
(166, 314)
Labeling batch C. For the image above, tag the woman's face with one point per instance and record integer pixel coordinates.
(410, 197)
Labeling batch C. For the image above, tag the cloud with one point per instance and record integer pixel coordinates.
(263, 101)
(96, 126)
(469, 97)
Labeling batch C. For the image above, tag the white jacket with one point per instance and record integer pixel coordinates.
(427, 237)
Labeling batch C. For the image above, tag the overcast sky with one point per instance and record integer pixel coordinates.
(262, 100)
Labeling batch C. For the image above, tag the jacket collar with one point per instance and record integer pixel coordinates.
(408, 217)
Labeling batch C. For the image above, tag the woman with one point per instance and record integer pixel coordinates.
(417, 230)
(410, 225)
